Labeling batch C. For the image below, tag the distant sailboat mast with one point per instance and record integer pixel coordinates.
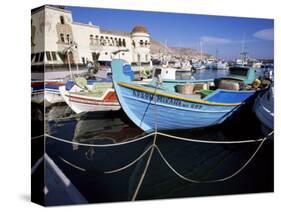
(217, 54)
(166, 50)
(243, 53)
(201, 50)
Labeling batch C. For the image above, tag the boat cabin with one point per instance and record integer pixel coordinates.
(171, 73)
(175, 80)
(242, 73)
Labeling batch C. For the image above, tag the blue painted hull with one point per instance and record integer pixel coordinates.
(144, 114)
(151, 108)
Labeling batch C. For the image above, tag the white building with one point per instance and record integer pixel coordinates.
(56, 40)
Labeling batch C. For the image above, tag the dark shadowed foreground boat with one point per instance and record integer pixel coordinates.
(150, 106)
(264, 109)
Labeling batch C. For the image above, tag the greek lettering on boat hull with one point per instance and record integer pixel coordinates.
(165, 100)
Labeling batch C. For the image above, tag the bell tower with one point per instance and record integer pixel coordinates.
(140, 45)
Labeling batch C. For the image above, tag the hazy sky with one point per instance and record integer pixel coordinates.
(224, 34)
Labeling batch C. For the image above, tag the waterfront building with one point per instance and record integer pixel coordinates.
(57, 40)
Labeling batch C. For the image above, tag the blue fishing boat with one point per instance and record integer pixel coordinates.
(151, 106)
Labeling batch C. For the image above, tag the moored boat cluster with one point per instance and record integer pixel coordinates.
(163, 94)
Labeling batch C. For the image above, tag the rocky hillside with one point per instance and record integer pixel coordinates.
(157, 47)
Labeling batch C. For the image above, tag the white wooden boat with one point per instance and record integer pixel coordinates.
(47, 91)
(92, 96)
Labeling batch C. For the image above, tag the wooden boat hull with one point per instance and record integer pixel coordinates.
(151, 108)
(80, 103)
(47, 91)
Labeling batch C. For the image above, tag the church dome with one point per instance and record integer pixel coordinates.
(139, 28)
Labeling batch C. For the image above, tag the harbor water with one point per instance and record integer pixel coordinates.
(89, 168)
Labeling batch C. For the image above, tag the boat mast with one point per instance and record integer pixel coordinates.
(201, 50)
(217, 53)
(243, 53)
(165, 52)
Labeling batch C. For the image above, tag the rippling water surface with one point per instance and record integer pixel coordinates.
(87, 167)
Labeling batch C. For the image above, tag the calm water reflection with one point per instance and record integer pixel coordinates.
(197, 161)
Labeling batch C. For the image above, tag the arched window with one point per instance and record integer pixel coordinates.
(141, 42)
(145, 43)
(92, 39)
(97, 40)
(68, 38)
(124, 43)
(62, 38)
(61, 19)
(102, 41)
(133, 44)
(119, 42)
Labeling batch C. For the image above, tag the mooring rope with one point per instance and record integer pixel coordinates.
(126, 141)
(148, 105)
(192, 140)
(129, 164)
(154, 146)
(209, 141)
(152, 149)
(216, 180)
(36, 165)
(99, 145)
(78, 140)
(145, 170)
(36, 137)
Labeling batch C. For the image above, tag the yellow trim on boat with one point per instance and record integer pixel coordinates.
(141, 88)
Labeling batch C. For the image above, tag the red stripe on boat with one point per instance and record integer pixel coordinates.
(94, 103)
(110, 97)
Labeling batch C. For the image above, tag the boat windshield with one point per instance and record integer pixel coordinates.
(241, 71)
(183, 75)
(157, 72)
